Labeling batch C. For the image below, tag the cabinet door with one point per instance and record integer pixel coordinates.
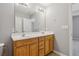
(21, 51)
(47, 46)
(51, 38)
(34, 49)
(41, 52)
(51, 45)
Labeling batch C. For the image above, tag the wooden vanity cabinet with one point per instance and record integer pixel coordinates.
(38, 46)
(46, 45)
(49, 44)
(26, 47)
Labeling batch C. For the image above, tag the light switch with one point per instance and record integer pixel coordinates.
(64, 26)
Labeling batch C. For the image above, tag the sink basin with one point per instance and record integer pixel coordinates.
(25, 35)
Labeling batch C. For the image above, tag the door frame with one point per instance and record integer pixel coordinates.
(70, 31)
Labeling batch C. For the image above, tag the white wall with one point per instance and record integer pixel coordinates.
(57, 18)
(6, 25)
(75, 9)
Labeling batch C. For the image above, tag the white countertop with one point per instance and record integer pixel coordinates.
(21, 36)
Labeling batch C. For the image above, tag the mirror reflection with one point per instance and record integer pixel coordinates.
(29, 17)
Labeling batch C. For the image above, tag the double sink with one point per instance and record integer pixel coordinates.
(18, 36)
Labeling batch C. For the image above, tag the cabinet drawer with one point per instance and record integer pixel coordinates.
(41, 52)
(49, 37)
(33, 40)
(41, 39)
(18, 43)
(25, 42)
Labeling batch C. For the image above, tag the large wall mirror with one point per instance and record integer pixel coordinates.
(29, 17)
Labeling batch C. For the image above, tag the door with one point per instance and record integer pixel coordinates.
(21, 51)
(75, 35)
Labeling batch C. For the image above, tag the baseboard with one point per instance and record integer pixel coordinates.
(59, 53)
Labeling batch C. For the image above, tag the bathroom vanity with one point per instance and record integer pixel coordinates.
(28, 40)
(33, 44)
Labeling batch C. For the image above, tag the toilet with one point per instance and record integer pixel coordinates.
(1, 48)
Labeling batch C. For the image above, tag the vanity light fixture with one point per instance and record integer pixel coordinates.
(23, 4)
(40, 9)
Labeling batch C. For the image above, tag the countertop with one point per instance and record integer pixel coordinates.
(21, 36)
